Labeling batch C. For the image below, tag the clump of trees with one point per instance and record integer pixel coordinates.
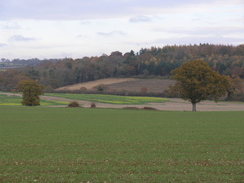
(148, 62)
(235, 89)
(196, 82)
(31, 91)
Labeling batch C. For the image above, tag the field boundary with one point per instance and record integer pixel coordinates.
(173, 104)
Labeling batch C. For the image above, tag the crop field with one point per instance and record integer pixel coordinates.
(16, 100)
(124, 84)
(43, 144)
(111, 99)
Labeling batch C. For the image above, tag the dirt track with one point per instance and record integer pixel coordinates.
(171, 105)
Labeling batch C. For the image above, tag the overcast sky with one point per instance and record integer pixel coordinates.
(78, 28)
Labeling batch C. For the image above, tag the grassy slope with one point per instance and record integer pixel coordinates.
(98, 145)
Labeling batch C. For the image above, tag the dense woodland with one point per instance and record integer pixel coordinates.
(148, 62)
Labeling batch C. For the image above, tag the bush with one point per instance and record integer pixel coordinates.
(101, 88)
(132, 108)
(93, 105)
(237, 97)
(143, 90)
(149, 108)
(48, 89)
(83, 89)
(74, 104)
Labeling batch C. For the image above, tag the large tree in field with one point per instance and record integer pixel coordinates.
(31, 91)
(196, 82)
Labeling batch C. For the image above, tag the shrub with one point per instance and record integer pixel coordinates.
(132, 108)
(84, 89)
(143, 90)
(237, 97)
(149, 108)
(93, 105)
(48, 89)
(74, 104)
(101, 88)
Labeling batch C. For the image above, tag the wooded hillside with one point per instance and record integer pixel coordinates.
(148, 62)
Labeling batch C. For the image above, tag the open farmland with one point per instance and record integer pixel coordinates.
(110, 99)
(124, 84)
(41, 144)
(15, 99)
(152, 85)
(113, 101)
(91, 84)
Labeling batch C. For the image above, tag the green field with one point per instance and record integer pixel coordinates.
(111, 99)
(41, 144)
(15, 100)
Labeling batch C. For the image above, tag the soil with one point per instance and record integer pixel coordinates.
(92, 84)
(172, 105)
(124, 84)
(152, 85)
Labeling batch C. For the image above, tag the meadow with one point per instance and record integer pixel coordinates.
(43, 144)
(111, 99)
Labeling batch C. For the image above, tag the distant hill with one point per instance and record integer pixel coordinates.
(154, 62)
(123, 84)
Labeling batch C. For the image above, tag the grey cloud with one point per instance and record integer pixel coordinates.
(11, 25)
(21, 38)
(108, 34)
(2, 45)
(86, 9)
(140, 19)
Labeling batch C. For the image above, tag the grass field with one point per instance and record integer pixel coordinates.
(40, 144)
(111, 99)
(15, 100)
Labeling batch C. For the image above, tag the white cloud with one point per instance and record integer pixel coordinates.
(81, 36)
(108, 34)
(140, 19)
(77, 28)
(201, 30)
(2, 45)
(21, 38)
(10, 25)
(93, 9)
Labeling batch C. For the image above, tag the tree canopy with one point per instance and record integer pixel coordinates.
(146, 63)
(31, 91)
(196, 82)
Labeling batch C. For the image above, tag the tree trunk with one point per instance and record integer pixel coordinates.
(194, 107)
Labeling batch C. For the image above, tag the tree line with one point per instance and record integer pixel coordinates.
(148, 62)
